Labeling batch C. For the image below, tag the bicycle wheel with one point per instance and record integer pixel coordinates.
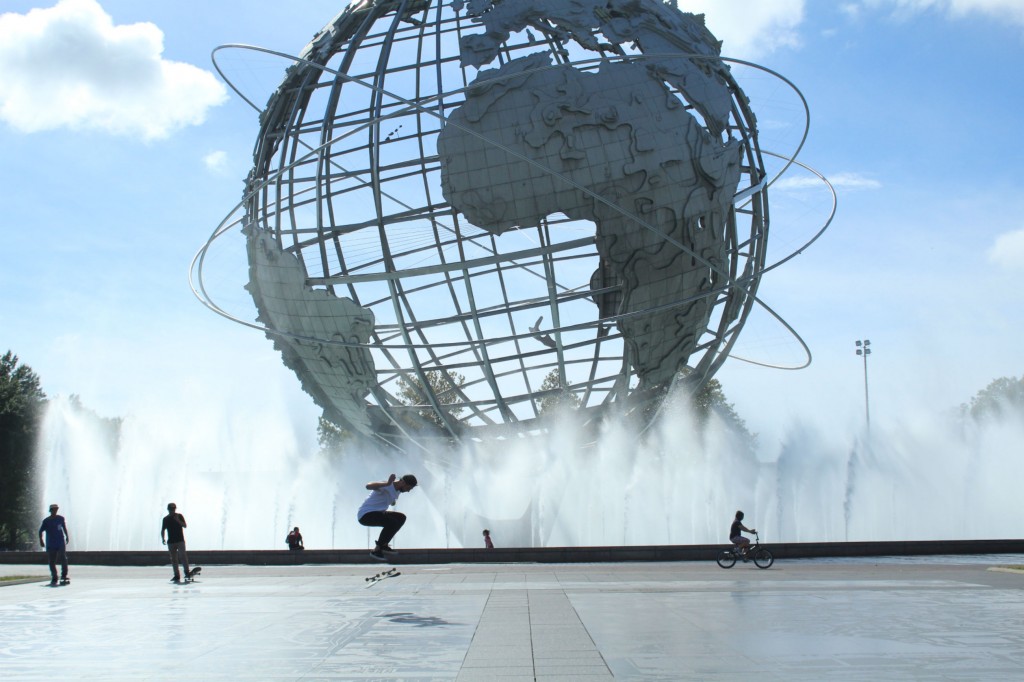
(763, 558)
(726, 559)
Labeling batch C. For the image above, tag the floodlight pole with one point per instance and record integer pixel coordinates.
(864, 350)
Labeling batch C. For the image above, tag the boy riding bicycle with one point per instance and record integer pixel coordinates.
(736, 537)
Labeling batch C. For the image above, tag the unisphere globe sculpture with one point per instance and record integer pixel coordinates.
(462, 213)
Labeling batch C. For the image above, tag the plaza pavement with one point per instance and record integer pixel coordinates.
(922, 618)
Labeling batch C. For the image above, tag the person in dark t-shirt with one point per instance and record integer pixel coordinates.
(735, 534)
(172, 534)
(55, 529)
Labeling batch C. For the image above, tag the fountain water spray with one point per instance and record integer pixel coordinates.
(242, 482)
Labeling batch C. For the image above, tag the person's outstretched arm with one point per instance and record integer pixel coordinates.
(377, 485)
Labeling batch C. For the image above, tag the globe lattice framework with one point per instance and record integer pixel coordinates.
(459, 211)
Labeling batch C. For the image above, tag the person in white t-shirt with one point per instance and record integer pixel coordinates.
(374, 510)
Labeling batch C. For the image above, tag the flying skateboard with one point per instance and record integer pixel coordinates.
(374, 579)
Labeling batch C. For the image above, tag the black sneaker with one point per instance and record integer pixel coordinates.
(53, 582)
(176, 579)
(386, 549)
(378, 555)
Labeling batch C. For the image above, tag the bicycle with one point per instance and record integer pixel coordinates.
(761, 556)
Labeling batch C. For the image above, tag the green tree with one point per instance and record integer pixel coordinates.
(710, 400)
(21, 406)
(411, 392)
(556, 402)
(109, 427)
(332, 438)
(1002, 397)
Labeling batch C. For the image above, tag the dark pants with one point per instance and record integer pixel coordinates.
(178, 554)
(56, 555)
(390, 522)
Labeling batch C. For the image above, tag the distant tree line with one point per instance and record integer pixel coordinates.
(1002, 398)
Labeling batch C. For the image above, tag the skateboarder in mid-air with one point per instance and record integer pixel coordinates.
(374, 510)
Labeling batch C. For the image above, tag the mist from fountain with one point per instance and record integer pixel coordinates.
(243, 480)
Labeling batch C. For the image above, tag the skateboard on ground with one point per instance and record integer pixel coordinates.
(190, 577)
(63, 581)
(390, 573)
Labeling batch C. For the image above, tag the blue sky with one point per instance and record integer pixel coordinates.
(121, 151)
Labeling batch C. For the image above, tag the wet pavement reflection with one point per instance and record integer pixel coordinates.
(920, 618)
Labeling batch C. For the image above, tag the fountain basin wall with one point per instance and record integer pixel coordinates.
(544, 555)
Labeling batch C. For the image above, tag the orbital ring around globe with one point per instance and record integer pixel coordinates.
(196, 278)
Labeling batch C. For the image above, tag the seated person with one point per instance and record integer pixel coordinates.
(294, 539)
(735, 534)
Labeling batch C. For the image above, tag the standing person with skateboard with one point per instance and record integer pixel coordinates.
(374, 510)
(172, 534)
(57, 539)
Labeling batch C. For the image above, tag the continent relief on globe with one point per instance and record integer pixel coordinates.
(616, 148)
(338, 377)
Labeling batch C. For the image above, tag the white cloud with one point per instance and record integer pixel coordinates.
(839, 181)
(69, 66)
(1011, 11)
(750, 29)
(216, 162)
(853, 181)
(851, 9)
(1008, 250)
